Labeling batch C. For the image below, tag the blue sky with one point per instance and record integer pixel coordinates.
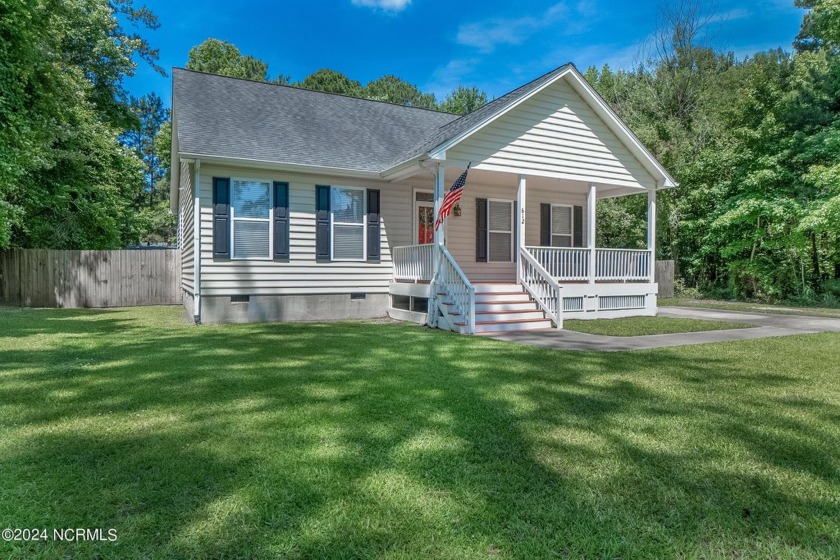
(496, 45)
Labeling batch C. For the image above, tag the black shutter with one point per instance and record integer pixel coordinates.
(373, 241)
(545, 225)
(221, 218)
(322, 223)
(578, 241)
(481, 230)
(281, 220)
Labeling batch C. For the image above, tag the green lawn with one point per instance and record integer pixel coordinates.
(394, 441)
(750, 307)
(641, 326)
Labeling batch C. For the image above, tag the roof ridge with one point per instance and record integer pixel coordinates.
(296, 88)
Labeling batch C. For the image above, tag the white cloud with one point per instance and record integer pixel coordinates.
(731, 15)
(393, 6)
(488, 34)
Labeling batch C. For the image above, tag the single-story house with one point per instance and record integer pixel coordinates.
(298, 205)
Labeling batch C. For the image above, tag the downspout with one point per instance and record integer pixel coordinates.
(196, 243)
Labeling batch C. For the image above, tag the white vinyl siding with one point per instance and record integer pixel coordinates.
(347, 206)
(554, 134)
(461, 232)
(562, 225)
(500, 230)
(302, 273)
(250, 213)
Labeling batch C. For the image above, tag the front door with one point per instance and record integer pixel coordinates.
(424, 218)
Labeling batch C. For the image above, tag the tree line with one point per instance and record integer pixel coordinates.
(754, 145)
(753, 142)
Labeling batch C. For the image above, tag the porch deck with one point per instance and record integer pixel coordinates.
(557, 282)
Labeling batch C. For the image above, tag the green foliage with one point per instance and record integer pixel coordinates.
(221, 57)
(395, 90)
(65, 180)
(755, 146)
(463, 100)
(331, 81)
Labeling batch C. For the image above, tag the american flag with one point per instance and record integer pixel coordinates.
(452, 197)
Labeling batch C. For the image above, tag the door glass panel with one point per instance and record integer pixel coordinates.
(425, 225)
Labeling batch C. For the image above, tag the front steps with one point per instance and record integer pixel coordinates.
(501, 308)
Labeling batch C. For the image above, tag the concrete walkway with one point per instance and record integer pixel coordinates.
(768, 325)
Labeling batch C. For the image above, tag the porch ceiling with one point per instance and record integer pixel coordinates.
(498, 178)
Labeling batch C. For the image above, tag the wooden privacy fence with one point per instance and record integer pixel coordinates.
(664, 274)
(48, 278)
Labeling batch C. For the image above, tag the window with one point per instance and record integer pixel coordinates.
(348, 223)
(562, 225)
(500, 230)
(251, 219)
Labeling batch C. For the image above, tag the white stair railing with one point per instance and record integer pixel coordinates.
(541, 285)
(458, 291)
(414, 263)
(564, 264)
(622, 265)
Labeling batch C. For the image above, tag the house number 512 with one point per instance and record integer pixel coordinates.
(522, 213)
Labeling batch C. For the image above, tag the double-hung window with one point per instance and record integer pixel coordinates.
(348, 223)
(562, 225)
(500, 230)
(251, 219)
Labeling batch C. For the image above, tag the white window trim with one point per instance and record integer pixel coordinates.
(364, 224)
(571, 235)
(414, 202)
(234, 219)
(511, 232)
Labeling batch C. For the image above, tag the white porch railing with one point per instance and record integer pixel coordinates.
(542, 286)
(622, 265)
(414, 263)
(566, 264)
(563, 264)
(459, 291)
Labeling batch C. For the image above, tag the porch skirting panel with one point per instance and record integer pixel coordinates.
(609, 301)
(292, 308)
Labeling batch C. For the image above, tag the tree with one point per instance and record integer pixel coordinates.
(395, 90)
(224, 58)
(150, 115)
(820, 26)
(463, 100)
(331, 81)
(65, 181)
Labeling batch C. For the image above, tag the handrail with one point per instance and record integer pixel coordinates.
(413, 262)
(572, 264)
(569, 264)
(622, 265)
(457, 287)
(541, 285)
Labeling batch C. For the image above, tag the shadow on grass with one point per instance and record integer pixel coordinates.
(359, 440)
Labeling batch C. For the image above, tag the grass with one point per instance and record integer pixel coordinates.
(750, 307)
(394, 441)
(642, 326)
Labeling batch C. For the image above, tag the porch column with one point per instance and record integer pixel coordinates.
(651, 232)
(590, 234)
(520, 223)
(440, 233)
(438, 240)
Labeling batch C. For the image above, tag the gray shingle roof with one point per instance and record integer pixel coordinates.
(230, 117)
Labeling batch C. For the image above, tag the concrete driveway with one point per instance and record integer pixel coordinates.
(768, 325)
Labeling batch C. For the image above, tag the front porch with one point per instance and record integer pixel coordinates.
(480, 291)
(557, 281)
